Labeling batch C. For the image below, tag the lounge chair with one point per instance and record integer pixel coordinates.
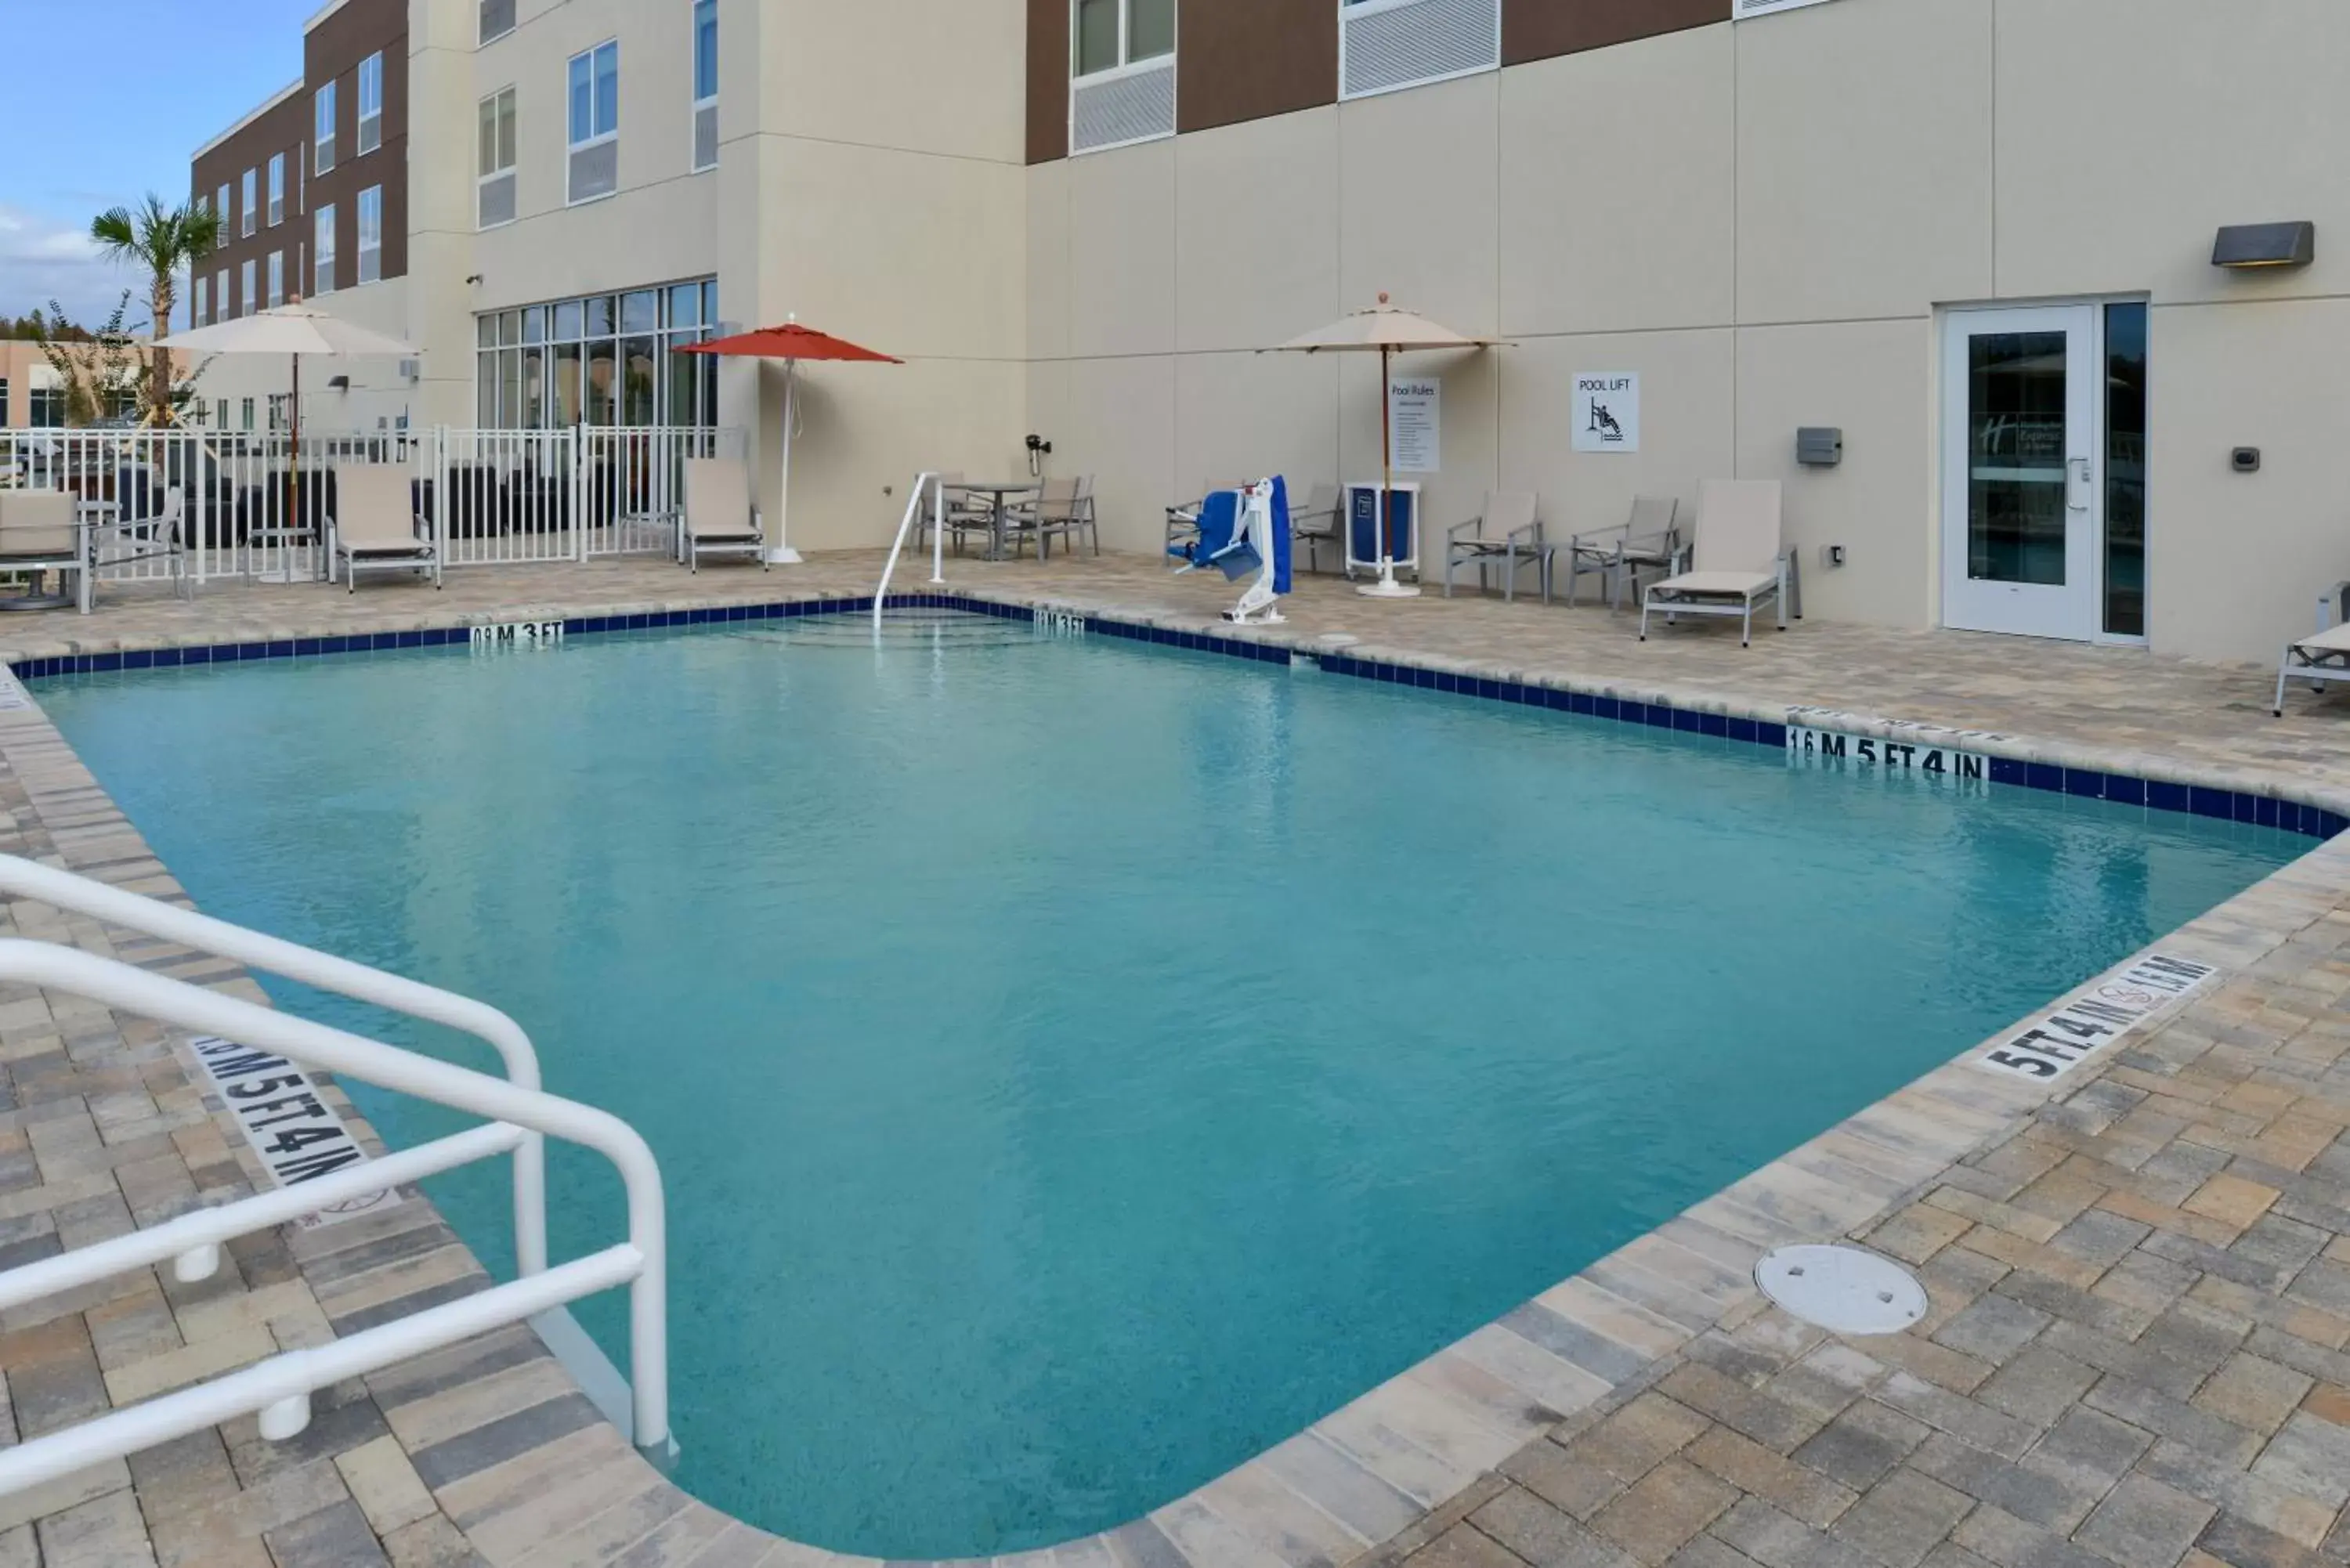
(1316, 524)
(2324, 655)
(1650, 540)
(1507, 532)
(40, 532)
(375, 524)
(1740, 560)
(719, 517)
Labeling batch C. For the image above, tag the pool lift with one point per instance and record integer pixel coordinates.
(1241, 530)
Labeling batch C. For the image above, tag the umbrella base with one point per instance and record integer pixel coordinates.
(784, 556)
(1388, 588)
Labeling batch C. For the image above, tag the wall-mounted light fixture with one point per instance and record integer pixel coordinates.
(338, 384)
(2249, 246)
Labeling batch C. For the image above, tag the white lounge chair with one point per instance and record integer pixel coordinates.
(1740, 560)
(1507, 534)
(719, 517)
(40, 531)
(2324, 655)
(375, 524)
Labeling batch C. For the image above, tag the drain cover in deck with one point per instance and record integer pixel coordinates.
(1841, 1289)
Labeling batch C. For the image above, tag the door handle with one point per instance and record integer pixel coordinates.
(2077, 491)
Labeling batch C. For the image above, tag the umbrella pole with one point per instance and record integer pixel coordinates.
(1386, 587)
(783, 555)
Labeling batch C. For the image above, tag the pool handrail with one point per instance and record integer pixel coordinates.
(925, 483)
(20, 877)
(279, 1388)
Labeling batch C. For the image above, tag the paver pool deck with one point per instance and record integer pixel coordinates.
(2137, 1351)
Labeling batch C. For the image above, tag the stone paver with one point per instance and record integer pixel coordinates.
(2139, 1349)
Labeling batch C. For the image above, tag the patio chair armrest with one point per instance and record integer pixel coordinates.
(1591, 538)
(1452, 534)
(1531, 534)
(2334, 601)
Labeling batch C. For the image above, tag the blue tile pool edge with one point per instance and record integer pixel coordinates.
(2010, 765)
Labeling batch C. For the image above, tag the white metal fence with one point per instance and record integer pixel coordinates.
(253, 504)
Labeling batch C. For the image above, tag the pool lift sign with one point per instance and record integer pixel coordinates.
(2060, 1040)
(288, 1123)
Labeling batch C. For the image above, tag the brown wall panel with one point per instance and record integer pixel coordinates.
(1048, 80)
(332, 52)
(285, 129)
(1540, 29)
(1246, 60)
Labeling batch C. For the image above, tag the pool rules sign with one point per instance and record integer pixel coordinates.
(1607, 412)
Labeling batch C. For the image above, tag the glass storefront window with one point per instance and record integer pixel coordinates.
(2124, 576)
(612, 359)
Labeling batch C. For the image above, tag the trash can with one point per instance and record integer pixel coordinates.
(1363, 542)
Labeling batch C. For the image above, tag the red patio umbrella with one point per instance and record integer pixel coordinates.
(791, 343)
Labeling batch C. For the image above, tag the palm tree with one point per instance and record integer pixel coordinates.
(166, 241)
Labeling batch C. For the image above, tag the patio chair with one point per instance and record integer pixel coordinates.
(1316, 524)
(1647, 541)
(1739, 560)
(1508, 533)
(2325, 654)
(160, 534)
(40, 532)
(718, 519)
(1060, 509)
(375, 524)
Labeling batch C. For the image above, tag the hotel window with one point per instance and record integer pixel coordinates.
(322, 127)
(46, 407)
(494, 201)
(249, 299)
(322, 248)
(246, 409)
(201, 312)
(1122, 60)
(606, 359)
(277, 189)
(227, 213)
(371, 103)
(276, 277)
(1384, 44)
(4, 402)
(497, 19)
(251, 217)
(372, 234)
(705, 84)
(221, 310)
(594, 121)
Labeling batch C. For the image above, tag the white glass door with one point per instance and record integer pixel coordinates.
(2023, 470)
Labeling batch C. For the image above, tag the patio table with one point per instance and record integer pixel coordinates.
(996, 493)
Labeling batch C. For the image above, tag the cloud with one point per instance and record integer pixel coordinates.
(43, 259)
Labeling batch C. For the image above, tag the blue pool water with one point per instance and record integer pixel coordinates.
(1077, 1068)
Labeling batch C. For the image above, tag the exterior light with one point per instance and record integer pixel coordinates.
(2245, 246)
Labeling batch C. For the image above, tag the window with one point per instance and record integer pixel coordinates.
(497, 19)
(322, 127)
(276, 190)
(322, 251)
(594, 117)
(372, 234)
(494, 202)
(200, 313)
(606, 359)
(4, 402)
(1384, 44)
(252, 190)
(221, 205)
(371, 103)
(47, 408)
(705, 83)
(1109, 33)
(249, 299)
(2125, 428)
(276, 277)
(222, 309)
(247, 411)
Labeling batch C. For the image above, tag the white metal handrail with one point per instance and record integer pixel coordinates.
(62, 889)
(280, 1388)
(924, 485)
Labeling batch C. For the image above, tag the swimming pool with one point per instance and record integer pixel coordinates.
(1077, 1067)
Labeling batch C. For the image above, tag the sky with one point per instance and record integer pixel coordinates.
(168, 75)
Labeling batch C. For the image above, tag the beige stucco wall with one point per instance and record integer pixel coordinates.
(1764, 221)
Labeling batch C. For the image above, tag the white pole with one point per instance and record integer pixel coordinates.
(783, 555)
(938, 530)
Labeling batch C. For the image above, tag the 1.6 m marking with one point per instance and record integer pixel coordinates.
(1894, 756)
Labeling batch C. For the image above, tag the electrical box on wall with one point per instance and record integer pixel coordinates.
(2245, 459)
(1819, 446)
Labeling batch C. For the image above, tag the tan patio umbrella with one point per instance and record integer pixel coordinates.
(292, 329)
(1391, 332)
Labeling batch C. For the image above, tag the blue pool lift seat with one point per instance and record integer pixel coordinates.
(1240, 532)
